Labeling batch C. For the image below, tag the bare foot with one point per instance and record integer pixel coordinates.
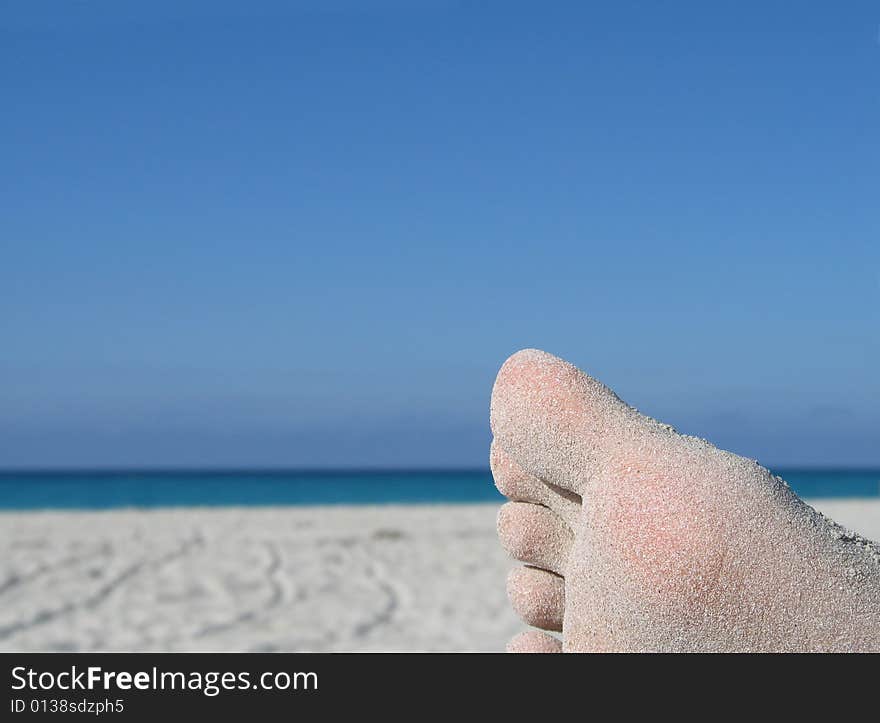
(640, 539)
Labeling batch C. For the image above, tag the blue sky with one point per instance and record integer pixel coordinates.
(308, 235)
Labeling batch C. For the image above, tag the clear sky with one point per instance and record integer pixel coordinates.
(308, 235)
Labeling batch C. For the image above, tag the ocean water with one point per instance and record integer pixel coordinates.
(101, 490)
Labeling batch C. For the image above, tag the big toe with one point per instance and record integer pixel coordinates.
(554, 420)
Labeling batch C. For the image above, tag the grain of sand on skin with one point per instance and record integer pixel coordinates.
(340, 578)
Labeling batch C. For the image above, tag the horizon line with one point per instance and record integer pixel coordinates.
(304, 470)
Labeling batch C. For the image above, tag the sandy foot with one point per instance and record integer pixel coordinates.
(645, 540)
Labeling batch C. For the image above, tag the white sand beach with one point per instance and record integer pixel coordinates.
(405, 578)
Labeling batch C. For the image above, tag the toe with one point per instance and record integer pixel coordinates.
(558, 423)
(516, 484)
(537, 597)
(532, 641)
(534, 535)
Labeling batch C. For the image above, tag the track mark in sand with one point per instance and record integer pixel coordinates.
(15, 580)
(276, 596)
(373, 571)
(384, 616)
(94, 600)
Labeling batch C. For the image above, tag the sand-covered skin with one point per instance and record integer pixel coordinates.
(679, 546)
(297, 578)
(260, 579)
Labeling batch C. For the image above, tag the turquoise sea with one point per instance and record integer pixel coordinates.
(109, 489)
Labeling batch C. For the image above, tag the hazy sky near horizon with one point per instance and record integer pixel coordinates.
(309, 234)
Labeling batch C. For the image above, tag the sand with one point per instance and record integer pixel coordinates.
(405, 578)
